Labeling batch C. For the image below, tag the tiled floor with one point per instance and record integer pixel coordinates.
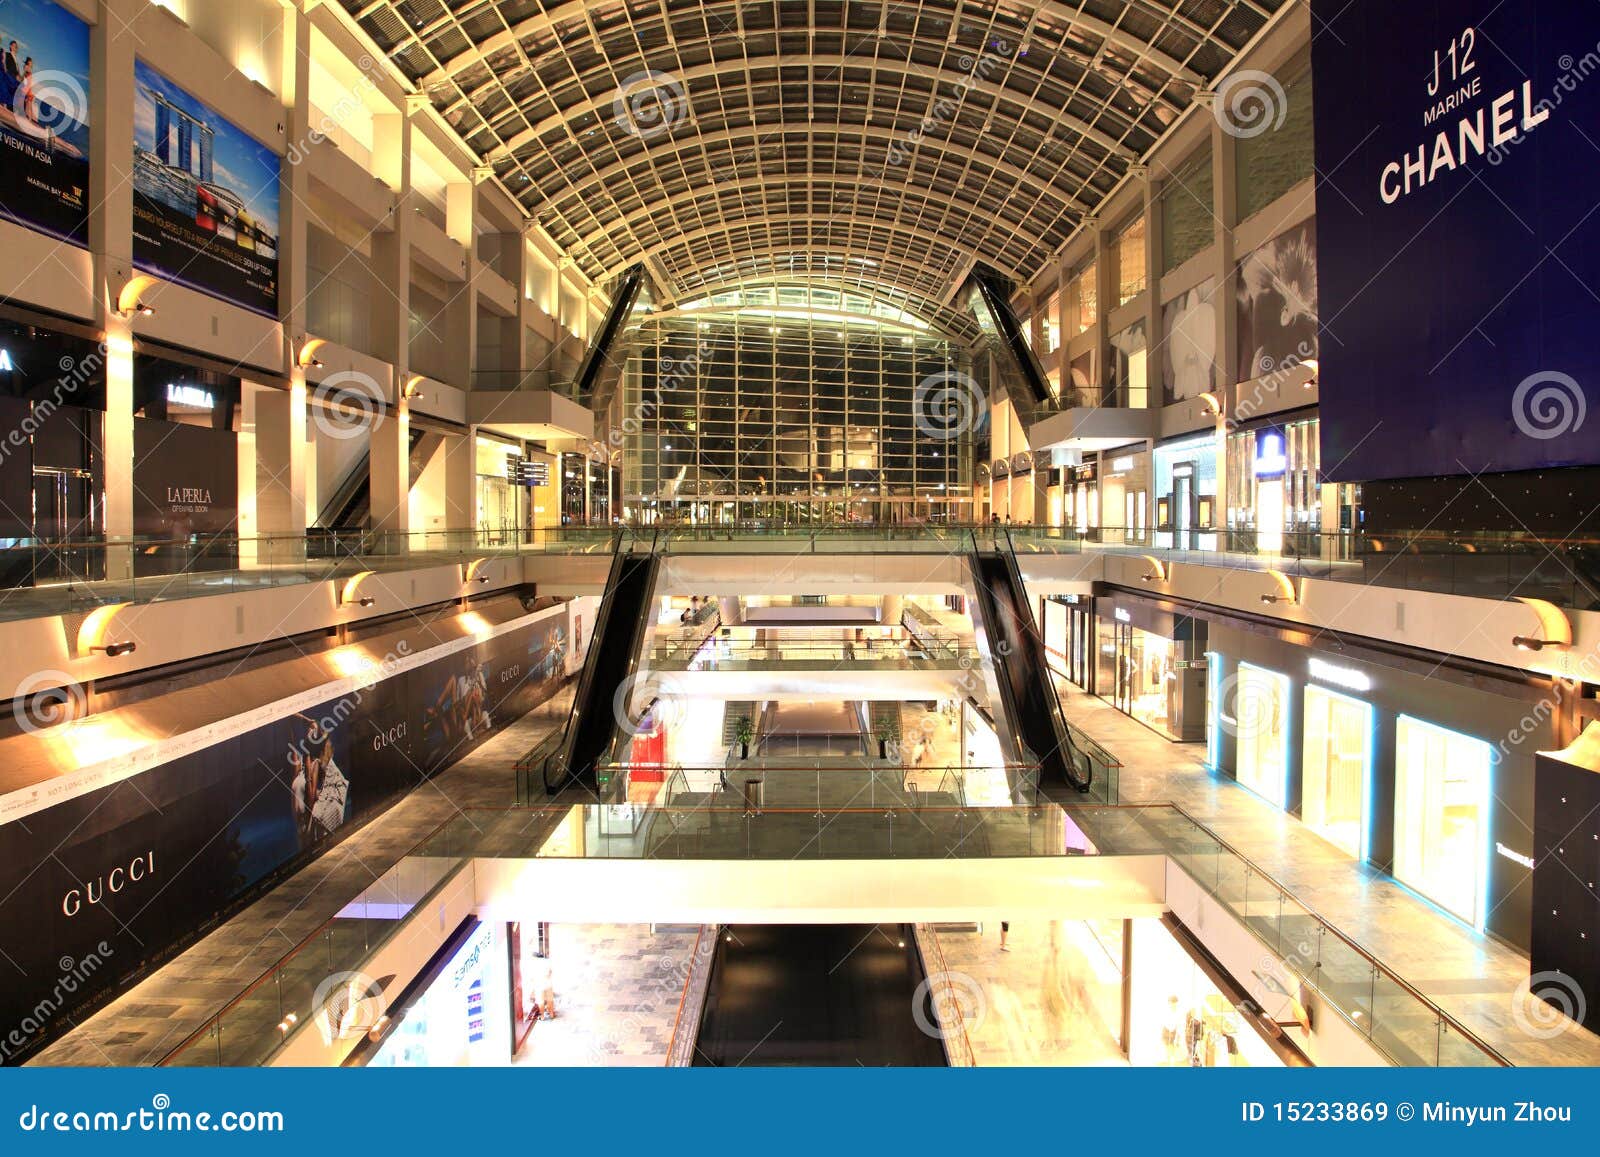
(155, 1015)
(1053, 999)
(1472, 977)
(617, 989)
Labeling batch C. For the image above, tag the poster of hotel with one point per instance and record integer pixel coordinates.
(44, 119)
(205, 197)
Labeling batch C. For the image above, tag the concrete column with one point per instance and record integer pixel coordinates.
(280, 449)
(280, 463)
(389, 454)
(893, 608)
(1225, 212)
(1152, 285)
(1105, 291)
(391, 247)
(111, 240)
(460, 477)
(732, 610)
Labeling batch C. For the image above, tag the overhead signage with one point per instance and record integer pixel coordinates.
(1457, 243)
(1271, 456)
(1122, 616)
(1346, 677)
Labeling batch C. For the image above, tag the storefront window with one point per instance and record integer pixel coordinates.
(1185, 493)
(1178, 1017)
(464, 1016)
(1261, 720)
(1337, 768)
(1268, 513)
(1441, 816)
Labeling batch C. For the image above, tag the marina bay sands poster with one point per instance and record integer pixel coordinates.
(205, 197)
(44, 119)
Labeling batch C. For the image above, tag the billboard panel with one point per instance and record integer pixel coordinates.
(95, 887)
(44, 118)
(1459, 247)
(205, 197)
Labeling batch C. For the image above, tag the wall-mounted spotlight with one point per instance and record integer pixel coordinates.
(483, 578)
(1286, 592)
(1555, 627)
(350, 595)
(130, 301)
(117, 650)
(1158, 572)
(1311, 382)
(411, 392)
(1212, 404)
(308, 353)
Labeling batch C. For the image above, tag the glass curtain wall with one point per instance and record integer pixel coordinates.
(753, 416)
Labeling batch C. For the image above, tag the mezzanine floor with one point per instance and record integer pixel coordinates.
(1470, 976)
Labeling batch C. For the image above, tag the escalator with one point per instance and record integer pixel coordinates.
(351, 503)
(988, 297)
(1027, 690)
(619, 633)
(608, 354)
(817, 994)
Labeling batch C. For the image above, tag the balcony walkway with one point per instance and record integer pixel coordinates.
(1471, 976)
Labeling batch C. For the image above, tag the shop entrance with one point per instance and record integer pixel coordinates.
(63, 518)
(1261, 722)
(1183, 506)
(1337, 768)
(1441, 816)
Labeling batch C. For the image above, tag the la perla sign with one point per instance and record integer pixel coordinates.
(110, 883)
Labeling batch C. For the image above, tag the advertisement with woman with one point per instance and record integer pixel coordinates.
(44, 119)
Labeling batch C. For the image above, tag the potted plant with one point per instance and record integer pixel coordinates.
(743, 731)
(885, 730)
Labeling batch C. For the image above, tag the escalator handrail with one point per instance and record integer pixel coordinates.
(1058, 715)
(563, 751)
(1004, 549)
(626, 550)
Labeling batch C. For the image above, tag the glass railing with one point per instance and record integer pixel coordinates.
(289, 994)
(52, 577)
(876, 655)
(780, 781)
(1401, 1023)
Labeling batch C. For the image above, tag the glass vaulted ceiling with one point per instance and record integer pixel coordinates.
(855, 144)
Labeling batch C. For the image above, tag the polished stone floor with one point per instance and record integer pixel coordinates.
(1472, 977)
(617, 988)
(1053, 999)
